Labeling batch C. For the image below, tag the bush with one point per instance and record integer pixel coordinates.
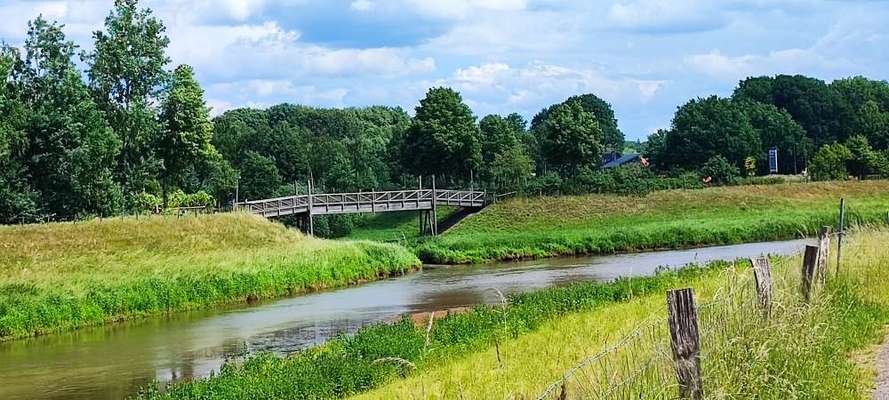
(720, 170)
(830, 162)
(145, 202)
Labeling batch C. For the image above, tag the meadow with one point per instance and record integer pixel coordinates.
(534, 227)
(517, 350)
(62, 276)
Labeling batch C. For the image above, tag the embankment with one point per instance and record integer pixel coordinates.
(600, 224)
(63, 276)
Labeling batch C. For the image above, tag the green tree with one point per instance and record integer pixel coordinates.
(126, 71)
(829, 163)
(570, 138)
(259, 176)
(811, 103)
(510, 168)
(873, 123)
(612, 137)
(185, 138)
(18, 202)
(720, 170)
(72, 152)
(864, 159)
(776, 128)
(704, 128)
(443, 138)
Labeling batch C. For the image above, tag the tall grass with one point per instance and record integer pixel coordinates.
(372, 357)
(622, 350)
(598, 224)
(63, 276)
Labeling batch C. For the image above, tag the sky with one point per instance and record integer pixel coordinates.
(645, 57)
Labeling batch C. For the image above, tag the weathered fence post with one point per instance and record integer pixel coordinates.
(762, 274)
(810, 267)
(823, 252)
(685, 341)
(841, 231)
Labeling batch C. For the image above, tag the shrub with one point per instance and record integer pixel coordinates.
(830, 162)
(720, 170)
(143, 202)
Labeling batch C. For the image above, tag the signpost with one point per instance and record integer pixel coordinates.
(773, 160)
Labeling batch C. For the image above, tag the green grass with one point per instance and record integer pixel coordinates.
(377, 355)
(396, 226)
(805, 351)
(515, 351)
(600, 224)
(62, 276)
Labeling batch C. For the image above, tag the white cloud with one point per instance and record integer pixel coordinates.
(456, 9)
(665, 15)
(787, 61)
(361, 5)
(489, 86)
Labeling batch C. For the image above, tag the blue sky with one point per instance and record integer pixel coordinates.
(645, 57)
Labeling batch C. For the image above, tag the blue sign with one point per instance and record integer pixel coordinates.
(773, 160)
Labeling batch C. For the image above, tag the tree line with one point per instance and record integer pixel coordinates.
(127, 134)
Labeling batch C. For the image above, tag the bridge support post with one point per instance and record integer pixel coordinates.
(309, 216)
(434, 224)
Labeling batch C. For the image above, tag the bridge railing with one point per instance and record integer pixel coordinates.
(322, 203)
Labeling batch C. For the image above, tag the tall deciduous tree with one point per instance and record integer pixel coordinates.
(809, 101)
(126, 71)
(443, 138)
(704, 128)
(184, 141)
(612, 137)
(72, 152)
(18, 202)
(570, 138)
(776, 128)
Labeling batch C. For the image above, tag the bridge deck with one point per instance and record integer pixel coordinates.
(364, 202)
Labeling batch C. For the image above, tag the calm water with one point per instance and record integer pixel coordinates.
(113, 362)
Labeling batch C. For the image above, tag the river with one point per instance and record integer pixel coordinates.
(113, 362)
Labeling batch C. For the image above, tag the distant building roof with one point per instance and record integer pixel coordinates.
(624, 159)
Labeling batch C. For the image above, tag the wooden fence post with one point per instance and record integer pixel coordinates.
(810, 267)
(841, 231)
(685, 340)
(762, 274)
(823, 252)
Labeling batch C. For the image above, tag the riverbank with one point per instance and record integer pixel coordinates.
(518, 349)
(537, 227)
(818, 350)
(377, 355)
(63, 276)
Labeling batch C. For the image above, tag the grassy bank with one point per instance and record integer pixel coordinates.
(62, 276)
(396, 226)
(517, 350)
(805, 351)
(599, 224)
(375, 356)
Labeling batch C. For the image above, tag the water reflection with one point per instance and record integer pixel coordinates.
(113, 362)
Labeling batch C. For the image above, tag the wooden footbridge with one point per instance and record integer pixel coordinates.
(425, 201)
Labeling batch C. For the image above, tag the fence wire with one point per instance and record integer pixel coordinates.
(640, 364)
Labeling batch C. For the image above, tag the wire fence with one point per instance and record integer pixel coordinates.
(640, 365)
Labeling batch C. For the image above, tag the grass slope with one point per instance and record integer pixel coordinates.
(806, 351)
(67, 275)
(596, 224)
(395, 226)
